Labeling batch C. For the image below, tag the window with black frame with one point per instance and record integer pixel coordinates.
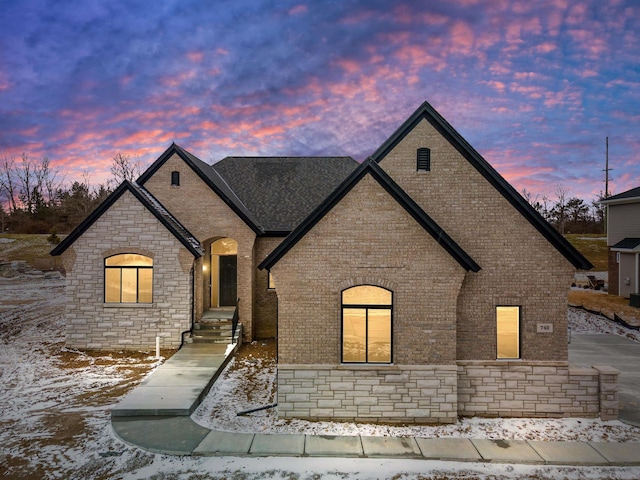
(367, 313)
(128, 278)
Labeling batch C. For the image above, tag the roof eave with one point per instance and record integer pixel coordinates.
(104, 206)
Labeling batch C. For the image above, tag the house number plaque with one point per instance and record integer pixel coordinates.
(545, 328)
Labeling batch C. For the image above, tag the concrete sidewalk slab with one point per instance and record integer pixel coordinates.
(158, 401)
(170, 376)
(333, 446)
(390, 447)
(459, 449)
(225, 443)
(277, 444)
(568, 453)
(167, 435)
(619, 453)
(507, 451)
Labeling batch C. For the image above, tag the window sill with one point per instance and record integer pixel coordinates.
(129, 305)
(367, 366)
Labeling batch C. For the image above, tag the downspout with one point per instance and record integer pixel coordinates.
(193, 300)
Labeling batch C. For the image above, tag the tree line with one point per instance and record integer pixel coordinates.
(569, 214)
(34, 197)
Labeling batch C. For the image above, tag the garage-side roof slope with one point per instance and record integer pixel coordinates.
(150, 203)
(386, 182)
(428, 113)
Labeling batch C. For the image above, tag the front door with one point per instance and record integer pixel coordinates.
(228, 280)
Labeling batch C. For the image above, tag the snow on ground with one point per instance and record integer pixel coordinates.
(55, 405)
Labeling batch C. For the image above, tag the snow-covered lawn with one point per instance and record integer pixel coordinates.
(55, 404)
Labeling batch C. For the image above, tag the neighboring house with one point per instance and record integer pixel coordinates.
(623, 239)
(415, 287)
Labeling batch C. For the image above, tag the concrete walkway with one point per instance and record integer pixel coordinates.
(178, 385)
(155, 416)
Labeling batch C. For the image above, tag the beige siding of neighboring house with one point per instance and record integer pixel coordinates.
(628, 274)
(623, 221)
(265, 306)
(127, 227)
(368, 238)
(519, 266)
(209, 218)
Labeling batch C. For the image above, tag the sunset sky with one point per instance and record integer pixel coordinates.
(534, 86)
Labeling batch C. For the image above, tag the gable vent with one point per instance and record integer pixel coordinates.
(423, 160)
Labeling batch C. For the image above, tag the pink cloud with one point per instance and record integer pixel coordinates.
(298, 10)
(462, 37)
(545, 47)
(499, 86)
(195, 57)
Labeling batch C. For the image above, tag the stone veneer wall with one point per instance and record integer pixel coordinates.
(536, 389)
(440, 393)
(127, 227)
(416, 393)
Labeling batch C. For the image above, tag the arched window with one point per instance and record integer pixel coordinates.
(128, 278)
(367, 324)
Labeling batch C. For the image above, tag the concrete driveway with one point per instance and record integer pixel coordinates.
(587, 350)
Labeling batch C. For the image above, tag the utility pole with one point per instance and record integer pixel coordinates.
(606, 168)
(606, 181)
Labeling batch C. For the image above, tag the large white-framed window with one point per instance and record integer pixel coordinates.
(508, 332)
(367, 324)
(128, 278)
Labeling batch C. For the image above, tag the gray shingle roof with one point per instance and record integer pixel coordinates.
(627, 243)
(629, 194)
(282, 191)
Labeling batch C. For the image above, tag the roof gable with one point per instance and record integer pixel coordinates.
(373, 169)
(428, 113)
(282, 191)
(150, 203)
(213, 180)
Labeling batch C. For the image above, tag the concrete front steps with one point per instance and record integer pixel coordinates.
(216, 326)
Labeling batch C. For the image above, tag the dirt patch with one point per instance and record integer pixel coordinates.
(605, 304)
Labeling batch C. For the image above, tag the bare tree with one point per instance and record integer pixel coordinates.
(123, 167)
(559, 211)
(8, 187)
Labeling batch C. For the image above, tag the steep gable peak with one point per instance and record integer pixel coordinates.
(427, 113)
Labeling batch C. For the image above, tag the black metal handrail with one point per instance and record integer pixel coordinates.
(234, 321)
